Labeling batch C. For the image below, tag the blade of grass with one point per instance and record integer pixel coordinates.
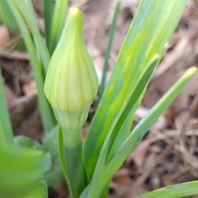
(47, 115)
(100, 179)
(6, 134)
(48, 13)
(57, 22)
(173, 191)
(109, 45)
(151, 28)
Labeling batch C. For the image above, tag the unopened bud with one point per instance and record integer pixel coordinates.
(71, 83)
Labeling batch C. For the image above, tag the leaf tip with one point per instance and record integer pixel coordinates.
(192, 71)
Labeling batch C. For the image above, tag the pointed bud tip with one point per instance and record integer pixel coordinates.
(75, 20)
(74, 11)
(75, 14)
(192, 71)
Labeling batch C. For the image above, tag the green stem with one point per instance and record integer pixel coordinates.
(108, 46)
(72, 164)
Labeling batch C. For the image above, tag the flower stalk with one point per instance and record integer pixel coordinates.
(71, 85)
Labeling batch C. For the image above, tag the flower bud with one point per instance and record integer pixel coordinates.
(71, 83)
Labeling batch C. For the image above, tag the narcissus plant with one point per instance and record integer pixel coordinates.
(67, 85)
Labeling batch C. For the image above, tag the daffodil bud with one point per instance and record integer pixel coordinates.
(71, 83)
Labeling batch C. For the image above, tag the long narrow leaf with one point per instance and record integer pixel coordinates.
(57, 22)
(48, 13)
(100, 179)
(47, 115)
(117, 124)
(7, 16)
(151, 28)
(109, 45)
(173, 191)
(144, 125)
(6, 134)
(26, 9)
(132, 100)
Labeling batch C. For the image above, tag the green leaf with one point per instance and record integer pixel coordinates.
(50, 145)
(173, 191)
(144, 125)
(57, 22)
(103, 171)
(47, 115)
(7, 16)
(129, 105)
(25, 8)
(48, 13)
(6, 134)
(26, 142)
(21, 170)
(109, 45)
(39, 191)
(151, 28)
